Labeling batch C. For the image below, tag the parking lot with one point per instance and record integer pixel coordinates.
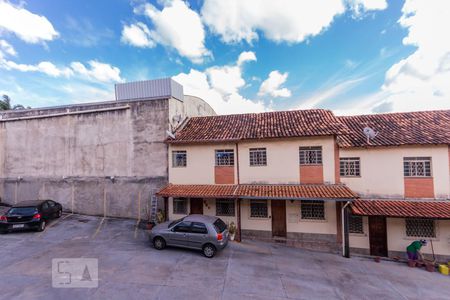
(129, 267)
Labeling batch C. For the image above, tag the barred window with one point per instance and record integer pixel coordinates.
(417, 166)
(258, 157)
(179, 159)
(225, 207)
(355, 224)
(310, 155)
(225, 157)
(180, 206)
(312, 210)
(420, 228)
(349, 166)
(258, 209)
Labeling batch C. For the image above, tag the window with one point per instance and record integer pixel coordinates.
(355, 224)
(224, 207)
(179, 159)
(258, 209)
(51, 203)
(183, 227)
(417, 166)
(310, 155)
(420, 228)
(349, 166)
(258, 157)
(180, 206)
(199, 228)
(224, 157)
(313, 210)
(220, 226)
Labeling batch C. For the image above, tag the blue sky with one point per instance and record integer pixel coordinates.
(351, 56)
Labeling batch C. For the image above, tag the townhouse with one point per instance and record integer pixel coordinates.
(314, 180)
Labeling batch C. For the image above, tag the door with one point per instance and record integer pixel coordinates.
(196, 206)
(46, 211)
(198, 235)
(378, 236)
(278, 218)
(179, 235)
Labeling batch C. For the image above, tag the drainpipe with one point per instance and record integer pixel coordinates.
(345, 237)
(238, 201)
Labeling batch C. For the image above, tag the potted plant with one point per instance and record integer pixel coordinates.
(232, 230)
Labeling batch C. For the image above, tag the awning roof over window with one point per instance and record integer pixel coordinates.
(253, 191)
(402, 208)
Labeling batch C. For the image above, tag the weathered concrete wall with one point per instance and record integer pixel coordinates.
(101, 159)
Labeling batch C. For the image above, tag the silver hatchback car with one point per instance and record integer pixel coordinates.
(206, 233)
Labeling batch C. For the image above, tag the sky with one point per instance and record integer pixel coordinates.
(350, 56)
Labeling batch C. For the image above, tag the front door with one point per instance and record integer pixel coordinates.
(278, 218)
(378, 236)
(179, 235)
(196, 206)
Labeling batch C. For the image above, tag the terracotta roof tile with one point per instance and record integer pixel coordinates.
(394, 129)
(279, 124)
(402, 208)
(260, 191)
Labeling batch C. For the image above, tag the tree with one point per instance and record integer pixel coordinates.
(5, 104)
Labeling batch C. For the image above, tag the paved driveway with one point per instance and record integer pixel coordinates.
(129, 268)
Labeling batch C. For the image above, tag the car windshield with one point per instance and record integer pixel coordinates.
(22, 211)
(175, 222)
(220, 226)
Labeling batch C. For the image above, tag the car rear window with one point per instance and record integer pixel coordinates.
(22, 211)
(220, 226)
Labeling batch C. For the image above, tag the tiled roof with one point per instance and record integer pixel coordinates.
(331, 191)
(402, 208)
(198, 190)
(279, 124)
(394, 129)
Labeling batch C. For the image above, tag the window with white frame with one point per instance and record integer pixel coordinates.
(179, 159)
(258, 157)
(310, 155)
(417, 166)
(425, 228)
(180, 206)
(258, 209)
(225, 207)
(349, 166)
(312, 210)
(225, 157)
(355, 224)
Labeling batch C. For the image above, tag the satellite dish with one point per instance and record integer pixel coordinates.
(170, 134)
(369, 133)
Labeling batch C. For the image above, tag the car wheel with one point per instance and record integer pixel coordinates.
(59, 213)
(159, 243)
(42, 226)
(209, 250)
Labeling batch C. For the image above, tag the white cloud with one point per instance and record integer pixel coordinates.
(45, 67)
(421, 81)
(272, 85)
(361, 6)
(178, 27)
(137, 35)
(97, 71)
(6, 47)
(219, 86)
(27, 26)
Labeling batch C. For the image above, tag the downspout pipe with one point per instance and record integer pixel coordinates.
(238, 201)
(345, 231)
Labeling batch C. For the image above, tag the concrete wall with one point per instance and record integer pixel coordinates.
(102, 159)
(382, 170)
(282, 161)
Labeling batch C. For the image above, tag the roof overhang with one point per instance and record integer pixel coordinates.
(430, 209)
(324, 192)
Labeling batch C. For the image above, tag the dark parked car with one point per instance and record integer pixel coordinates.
(32, 215)
(206, 233)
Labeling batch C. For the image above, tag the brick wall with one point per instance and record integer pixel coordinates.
(224, 174)
(416, 187)
(311, 174)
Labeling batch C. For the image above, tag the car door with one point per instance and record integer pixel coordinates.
(198, 235)
(179, 234)
(46, 211)
(52, 208)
